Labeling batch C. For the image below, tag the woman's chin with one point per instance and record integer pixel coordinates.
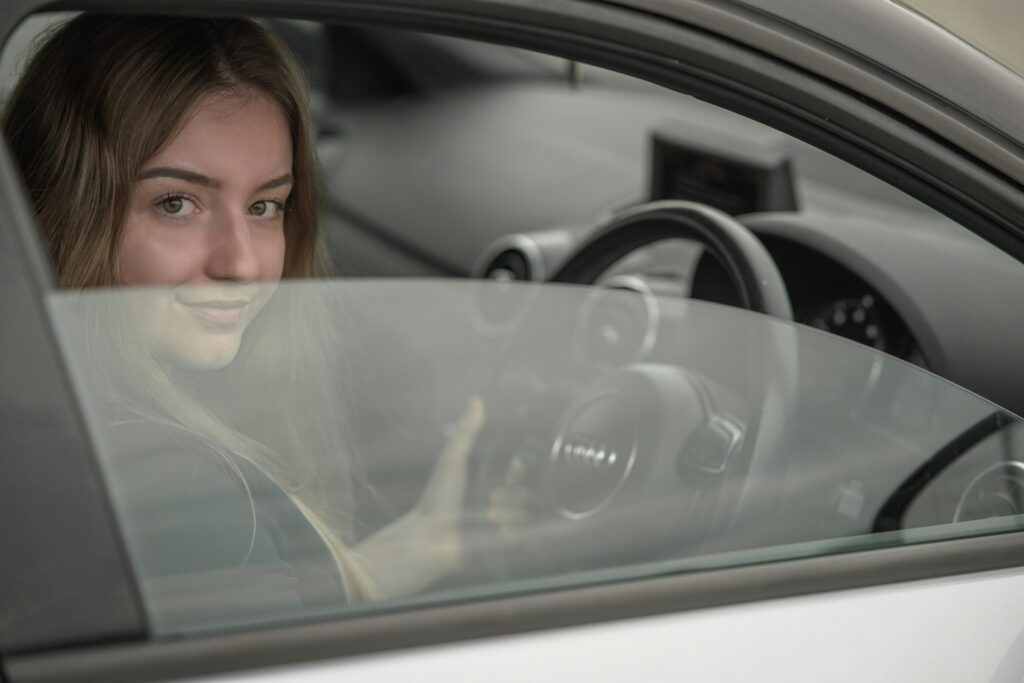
(202, 354)
(191, 336)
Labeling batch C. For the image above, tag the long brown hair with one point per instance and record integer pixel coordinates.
(101, 96)
(104, 94)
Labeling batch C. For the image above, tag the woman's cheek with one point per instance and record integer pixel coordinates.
(272, 248)
(148, 255)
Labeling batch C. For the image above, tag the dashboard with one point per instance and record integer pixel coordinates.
(876, 274)
(509, 173)
(825, 295)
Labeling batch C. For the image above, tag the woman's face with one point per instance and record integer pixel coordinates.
(206, 224)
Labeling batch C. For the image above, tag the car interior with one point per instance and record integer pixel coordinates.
(447, 157)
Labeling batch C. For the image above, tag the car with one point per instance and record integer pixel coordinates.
(737, 283)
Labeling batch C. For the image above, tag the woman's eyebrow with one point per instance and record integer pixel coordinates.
(200, 179)
(180, 174)
(285, 179)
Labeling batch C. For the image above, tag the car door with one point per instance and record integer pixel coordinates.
(870, 560)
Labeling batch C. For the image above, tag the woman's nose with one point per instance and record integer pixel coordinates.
(232, 253)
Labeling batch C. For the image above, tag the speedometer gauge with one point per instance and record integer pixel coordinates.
(856, 318)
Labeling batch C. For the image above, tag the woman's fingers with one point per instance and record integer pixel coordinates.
(516, 472)
(507, 505)
(446, 489)
(461, 442)
(425, 544)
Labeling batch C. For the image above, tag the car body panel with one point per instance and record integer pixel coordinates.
(957, 629)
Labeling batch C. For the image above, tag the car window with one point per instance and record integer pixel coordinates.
(580, 329)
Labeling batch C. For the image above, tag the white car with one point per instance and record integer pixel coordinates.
(739, 284)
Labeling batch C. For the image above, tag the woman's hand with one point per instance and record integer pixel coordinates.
(425, 544)
(508, 504)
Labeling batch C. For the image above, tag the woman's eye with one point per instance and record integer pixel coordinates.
(266, 208)
(176, 206)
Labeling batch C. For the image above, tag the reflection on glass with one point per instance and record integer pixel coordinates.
(327, 461)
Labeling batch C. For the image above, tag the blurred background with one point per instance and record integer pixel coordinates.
(993, 26)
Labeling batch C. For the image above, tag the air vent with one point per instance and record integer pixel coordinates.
(509, 265)
(521, 257)
(502, 300)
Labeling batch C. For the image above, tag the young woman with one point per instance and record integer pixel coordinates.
(176, 153)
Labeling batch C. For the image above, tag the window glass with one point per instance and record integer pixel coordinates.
(737, 438)
(579, 329)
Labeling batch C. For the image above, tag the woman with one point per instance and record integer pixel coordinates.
(177, 152)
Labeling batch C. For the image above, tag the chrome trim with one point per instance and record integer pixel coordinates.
(556, 449)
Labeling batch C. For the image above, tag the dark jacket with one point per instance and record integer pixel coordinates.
(213, 540)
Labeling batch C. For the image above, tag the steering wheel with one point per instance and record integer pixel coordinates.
(648, 449)
(750, 268)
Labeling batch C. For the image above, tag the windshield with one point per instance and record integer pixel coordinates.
(604, 454)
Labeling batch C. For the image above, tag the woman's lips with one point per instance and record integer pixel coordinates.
(217, 312)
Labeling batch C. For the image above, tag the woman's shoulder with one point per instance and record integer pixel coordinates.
(200, 519)
(183, 502)
(161, 449)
